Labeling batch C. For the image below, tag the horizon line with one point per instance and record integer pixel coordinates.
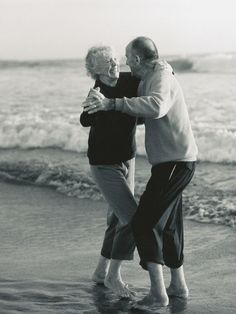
(82, 58)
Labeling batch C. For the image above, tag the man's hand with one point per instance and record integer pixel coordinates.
(97, 102)
(95, 93)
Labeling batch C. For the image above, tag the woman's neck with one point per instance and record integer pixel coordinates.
(110, 81)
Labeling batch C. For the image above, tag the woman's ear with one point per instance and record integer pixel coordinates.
(95, 67)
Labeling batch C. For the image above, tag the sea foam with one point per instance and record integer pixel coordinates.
(210, 196)
(214, 144)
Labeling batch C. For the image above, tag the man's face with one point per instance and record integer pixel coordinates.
(107, 64)
(131, 61)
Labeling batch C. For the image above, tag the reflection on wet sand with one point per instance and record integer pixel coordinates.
(106, 303)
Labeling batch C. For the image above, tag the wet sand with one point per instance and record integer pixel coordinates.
(50, 244)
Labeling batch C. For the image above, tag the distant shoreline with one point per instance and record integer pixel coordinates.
(81, 58)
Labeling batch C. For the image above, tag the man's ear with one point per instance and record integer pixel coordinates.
(137, 59)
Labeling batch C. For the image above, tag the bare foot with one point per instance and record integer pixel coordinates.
(118, 287)
(151, 302)
(98, 277)
(180, 292)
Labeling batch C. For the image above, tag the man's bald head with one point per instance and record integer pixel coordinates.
(145, 48)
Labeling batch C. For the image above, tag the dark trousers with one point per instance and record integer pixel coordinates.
(158, 222)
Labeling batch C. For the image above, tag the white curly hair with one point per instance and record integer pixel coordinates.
(91, 59)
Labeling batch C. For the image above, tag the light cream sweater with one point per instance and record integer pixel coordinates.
(168, 135)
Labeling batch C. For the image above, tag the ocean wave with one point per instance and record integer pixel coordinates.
(215, 145)
(207, 63)
(216, 63)
(14, 64)
(182, 65)
(39, 131)
(211, 63)
(203, 202)
(65, 179)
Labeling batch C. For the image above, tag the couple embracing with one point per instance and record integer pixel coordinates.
(150, 94)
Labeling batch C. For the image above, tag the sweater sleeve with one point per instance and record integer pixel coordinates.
(86, 119)
(156, 104)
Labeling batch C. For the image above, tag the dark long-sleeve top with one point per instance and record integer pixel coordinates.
(112, 133)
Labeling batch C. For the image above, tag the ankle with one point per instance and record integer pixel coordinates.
(158, 292)
(101, 271)
(110, 276)
(160, 297)
(178, 291)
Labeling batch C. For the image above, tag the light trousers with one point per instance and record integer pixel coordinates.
(116, 183)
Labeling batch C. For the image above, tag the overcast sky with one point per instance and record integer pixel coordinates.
(31, 29)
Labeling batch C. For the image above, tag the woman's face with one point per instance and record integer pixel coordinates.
(107, 65)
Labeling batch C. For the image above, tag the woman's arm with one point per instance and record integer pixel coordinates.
(87, 119)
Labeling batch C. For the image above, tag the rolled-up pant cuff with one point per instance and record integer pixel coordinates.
(143, 263)
(175, 265)
(118, 257)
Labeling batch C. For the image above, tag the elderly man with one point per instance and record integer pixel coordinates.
(171, 150)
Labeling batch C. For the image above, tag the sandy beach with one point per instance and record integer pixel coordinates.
(48, 271)
(50, 244)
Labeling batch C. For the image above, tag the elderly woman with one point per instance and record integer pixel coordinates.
(111, 152)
